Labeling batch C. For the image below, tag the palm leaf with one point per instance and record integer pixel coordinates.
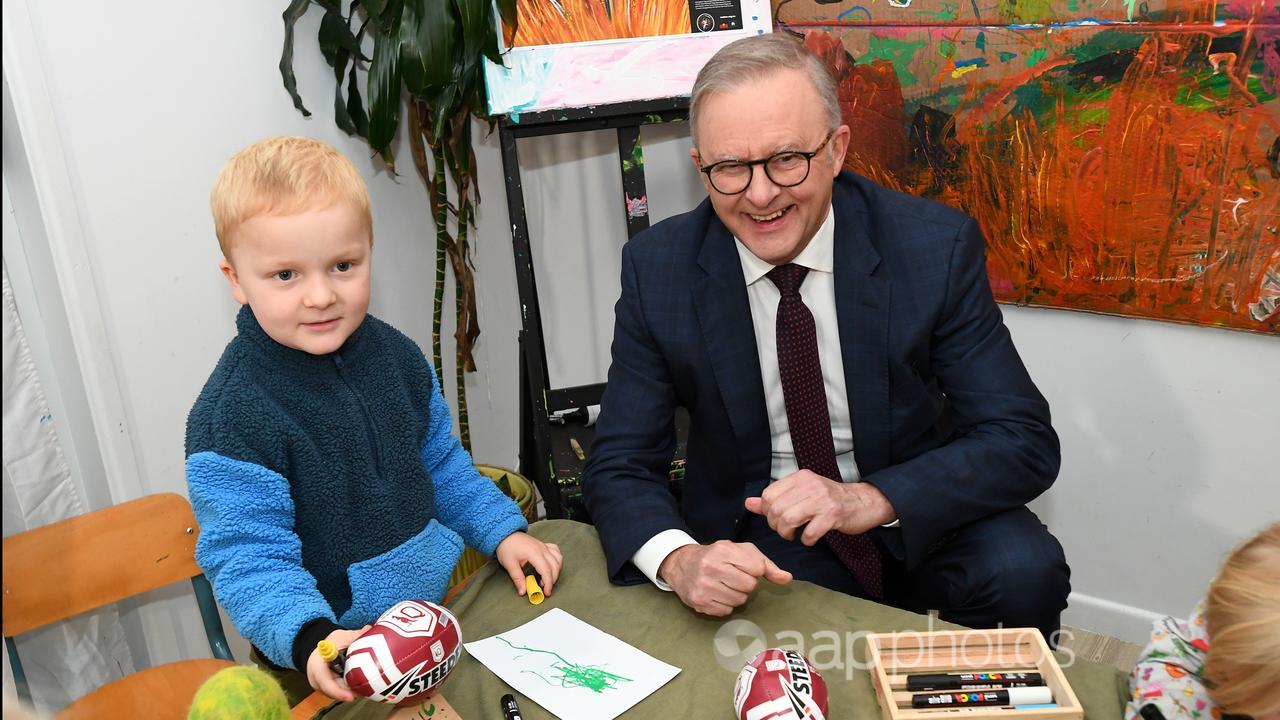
(385, 91)
(291, 14)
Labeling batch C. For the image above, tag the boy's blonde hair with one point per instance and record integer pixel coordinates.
(1242, 666)
(282, 176)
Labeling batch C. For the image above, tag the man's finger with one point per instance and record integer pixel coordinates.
(775, 574)
(755, 505)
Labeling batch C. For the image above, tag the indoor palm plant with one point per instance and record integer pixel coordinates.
(425, 57)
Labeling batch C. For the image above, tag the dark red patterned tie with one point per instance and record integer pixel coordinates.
(805, 397)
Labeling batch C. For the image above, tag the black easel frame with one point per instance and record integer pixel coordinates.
(546, 454)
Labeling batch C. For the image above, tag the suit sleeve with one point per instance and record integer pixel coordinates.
(625, 482)
(467, 502)
(1005, 452)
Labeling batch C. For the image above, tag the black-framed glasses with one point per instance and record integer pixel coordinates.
(785, 169)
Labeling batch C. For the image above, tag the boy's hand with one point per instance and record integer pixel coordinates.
(520, 548)
(321, 676)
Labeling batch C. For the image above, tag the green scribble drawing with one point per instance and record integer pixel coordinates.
(593, 677)
(425, 712)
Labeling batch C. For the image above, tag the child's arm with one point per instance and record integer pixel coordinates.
(466, 502)
(253, 558)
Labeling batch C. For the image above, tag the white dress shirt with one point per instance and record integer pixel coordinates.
(819, 295)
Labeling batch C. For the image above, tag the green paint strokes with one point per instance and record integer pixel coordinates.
(1006, 56)
(898, 52)
(947, 13)
(1093, 116)
(1036, 56)
(981, 42)
(1209, 91)
(592, 677)
(1128, 7)
(1026, 11)
(947, 49)
(1073, 5)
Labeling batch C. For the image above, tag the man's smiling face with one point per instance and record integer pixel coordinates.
(779, 112)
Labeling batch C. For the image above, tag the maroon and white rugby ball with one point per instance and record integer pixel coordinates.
(780, 685)
(407, 653)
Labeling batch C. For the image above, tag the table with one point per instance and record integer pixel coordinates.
(828, 625)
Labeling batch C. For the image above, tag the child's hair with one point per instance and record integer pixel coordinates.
(282, 176)
(1242, 666)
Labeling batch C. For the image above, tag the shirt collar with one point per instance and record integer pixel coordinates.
(817, 255)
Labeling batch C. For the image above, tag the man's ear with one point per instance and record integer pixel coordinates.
(229, 273)
(697, 166)
(839, 146)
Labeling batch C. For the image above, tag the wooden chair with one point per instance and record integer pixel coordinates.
(61, 570)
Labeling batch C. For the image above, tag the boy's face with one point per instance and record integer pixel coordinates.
(304, 276)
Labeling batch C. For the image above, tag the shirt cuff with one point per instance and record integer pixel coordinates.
(650, 555)
(896, 523)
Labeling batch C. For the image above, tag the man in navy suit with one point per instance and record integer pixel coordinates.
(938, 437)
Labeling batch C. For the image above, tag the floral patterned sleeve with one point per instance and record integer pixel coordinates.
(1170, 672)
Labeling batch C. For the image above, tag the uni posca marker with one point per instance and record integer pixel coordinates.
(973, 681)
(1009, 696)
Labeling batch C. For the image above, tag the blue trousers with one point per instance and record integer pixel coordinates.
(1004, 570)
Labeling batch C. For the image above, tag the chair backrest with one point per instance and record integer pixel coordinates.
(72, 566)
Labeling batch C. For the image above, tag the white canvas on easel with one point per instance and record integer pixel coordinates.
(573, 670)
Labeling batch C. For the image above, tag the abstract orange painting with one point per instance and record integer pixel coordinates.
(1119, 159)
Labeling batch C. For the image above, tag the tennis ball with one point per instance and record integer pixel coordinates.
(239, 693)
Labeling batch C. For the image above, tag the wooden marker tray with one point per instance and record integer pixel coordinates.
(895, 655)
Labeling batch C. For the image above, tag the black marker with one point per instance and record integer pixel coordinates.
(973, 681)
(510, 710)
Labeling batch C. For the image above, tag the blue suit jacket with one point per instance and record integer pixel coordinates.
(946, 421)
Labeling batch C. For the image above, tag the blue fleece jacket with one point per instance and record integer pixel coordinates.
(328, 488)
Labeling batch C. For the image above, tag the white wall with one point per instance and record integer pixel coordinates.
(1166, 429)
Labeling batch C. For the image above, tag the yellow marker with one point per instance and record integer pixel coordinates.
(577, 449)
(532, 591)
(329, 653)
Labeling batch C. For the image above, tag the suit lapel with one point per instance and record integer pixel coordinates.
(724, 317)
(862, 311)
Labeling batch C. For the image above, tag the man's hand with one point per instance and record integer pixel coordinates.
(714, 579)
(520, 548)
(810, 500)
(321, 676)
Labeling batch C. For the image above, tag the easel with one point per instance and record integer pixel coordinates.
(546, 455)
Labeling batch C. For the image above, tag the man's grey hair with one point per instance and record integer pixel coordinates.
(756, 57)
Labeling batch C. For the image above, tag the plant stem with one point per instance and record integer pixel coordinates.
(464, 422)
(442, 247)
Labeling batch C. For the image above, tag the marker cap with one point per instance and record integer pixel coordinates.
(1029, 695)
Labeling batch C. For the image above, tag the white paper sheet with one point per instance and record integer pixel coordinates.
(573, 670)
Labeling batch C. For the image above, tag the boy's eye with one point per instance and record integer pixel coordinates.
(343, 266)
(284, 275)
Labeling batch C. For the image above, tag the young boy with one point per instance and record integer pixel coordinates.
(320, 464)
